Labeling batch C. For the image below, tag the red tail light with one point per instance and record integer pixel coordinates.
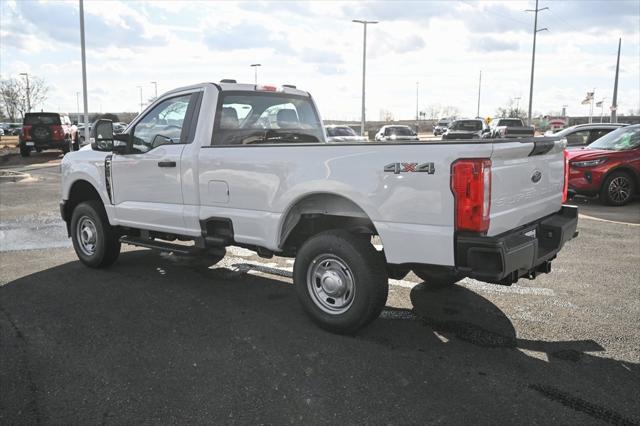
(471, 187)
(26, 135)
(565, 186)
(57, 132)
(267, 88)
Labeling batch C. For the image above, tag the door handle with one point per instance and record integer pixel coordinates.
(166, 163)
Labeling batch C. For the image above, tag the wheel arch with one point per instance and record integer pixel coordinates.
(79, 191)
(625, 169)
(322, 211)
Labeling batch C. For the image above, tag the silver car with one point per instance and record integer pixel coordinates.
(342, 133)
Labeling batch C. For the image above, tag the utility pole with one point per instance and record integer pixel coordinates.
(614, 103)
(155, 85)
(141, 103)
(255, 72)
(479, 89)
(533, 55)
(364, 70)
(84, 74)
(26, 76)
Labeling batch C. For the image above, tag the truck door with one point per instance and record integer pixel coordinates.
(147, 189)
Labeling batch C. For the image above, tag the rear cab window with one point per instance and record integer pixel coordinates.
(31, 119)
(245, 118)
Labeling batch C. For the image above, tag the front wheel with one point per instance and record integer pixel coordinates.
(341, 281)
(618, 189)
(25, 151)
(96, 243)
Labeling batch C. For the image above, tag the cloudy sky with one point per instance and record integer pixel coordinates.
(441, 45)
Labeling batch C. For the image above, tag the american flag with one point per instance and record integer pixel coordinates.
(588, 99)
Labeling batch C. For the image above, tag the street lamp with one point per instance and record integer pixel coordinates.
(255, 72)
(364, 69)
(84, 73)
(26, 76)
(155, 85)
(78, 106)
(140, 87)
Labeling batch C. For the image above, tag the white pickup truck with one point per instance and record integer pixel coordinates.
(214, 165)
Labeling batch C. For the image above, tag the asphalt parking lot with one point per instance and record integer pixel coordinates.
(160, 339)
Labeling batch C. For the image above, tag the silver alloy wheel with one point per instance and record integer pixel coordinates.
(331, 284)
(619, 189)
(87, 235)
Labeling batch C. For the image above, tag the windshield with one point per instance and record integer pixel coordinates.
(619, 140)
(398, 131)
(256, 117)
(41, 118)
(511, 123)
(341, 131)
(443, 123)
(470, 125)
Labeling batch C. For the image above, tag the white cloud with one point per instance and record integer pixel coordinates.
(314, 45)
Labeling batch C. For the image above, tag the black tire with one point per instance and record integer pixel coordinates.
(618, 189)
(25, 151)
(65, 148)
(106, 245)
(38, 150)
(365, 271)
(437, 275)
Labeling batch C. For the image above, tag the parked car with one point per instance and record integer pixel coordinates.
(396, 132)
(466, 129)
(342, 133)
(510, 128)
(119, 127)
(441, 126)
(12, 129)
(581, 135)
(609, 167)
(46, 130)
(81, 134)
(220, 178)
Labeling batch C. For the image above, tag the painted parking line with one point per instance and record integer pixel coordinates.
(584, 216)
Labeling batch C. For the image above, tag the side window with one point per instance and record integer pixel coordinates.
(578, 138)
(597, 134)
(162, 125)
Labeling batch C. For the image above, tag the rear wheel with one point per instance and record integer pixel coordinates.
(94, 240)
(437, 275)
(618, 189)
(25, 151)
(341, 281)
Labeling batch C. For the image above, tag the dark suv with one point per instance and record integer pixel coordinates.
(46, 130)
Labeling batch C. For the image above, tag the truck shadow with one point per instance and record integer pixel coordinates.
(149, 339)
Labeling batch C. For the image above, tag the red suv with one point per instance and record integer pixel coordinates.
(609, 167)
(46, 130)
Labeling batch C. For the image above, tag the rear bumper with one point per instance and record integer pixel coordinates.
(53, 143)
(524, 252)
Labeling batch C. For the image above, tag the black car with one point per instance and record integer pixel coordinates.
(466, 129)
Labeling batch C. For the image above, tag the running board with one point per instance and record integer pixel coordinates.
(162, 246)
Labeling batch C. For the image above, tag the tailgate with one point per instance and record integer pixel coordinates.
(527, 178)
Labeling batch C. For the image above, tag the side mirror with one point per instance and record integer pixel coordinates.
(101, 135)
(121, 143)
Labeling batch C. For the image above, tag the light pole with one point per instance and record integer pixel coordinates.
(417, 113)
(140, 87)
(479, 91)
(155, 85)
(533, 54)
(614, 102)
(255, 72)
(26, 76)
(517, 105)
(84, 74)
(364, 69)
(78, 106)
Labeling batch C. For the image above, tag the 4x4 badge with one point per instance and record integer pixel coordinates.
(398, 168)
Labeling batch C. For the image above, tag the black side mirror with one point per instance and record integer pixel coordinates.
(101, 135)
(121, 143)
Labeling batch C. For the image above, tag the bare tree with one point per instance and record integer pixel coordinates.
(511, 111)
(16, 100)
(450, 111)
(11, 98)
(386, 115)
